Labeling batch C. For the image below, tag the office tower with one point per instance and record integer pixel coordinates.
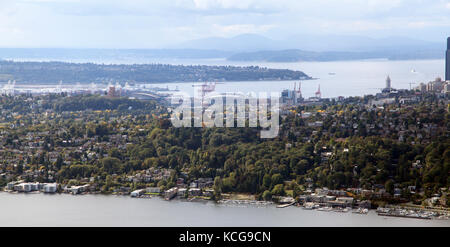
(447, 61)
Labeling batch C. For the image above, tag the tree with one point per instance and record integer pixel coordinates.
(267, 195)
(267, 181)
(115, 153)
(389, 186)
(296, 190)
(278, 190)
(59, 162)
(217, 187)
(276, 179)
(111, 165)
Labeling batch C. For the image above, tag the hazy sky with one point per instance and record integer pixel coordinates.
(161, 23)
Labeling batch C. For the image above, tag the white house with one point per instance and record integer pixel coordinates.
(50, 188)
(137, 193)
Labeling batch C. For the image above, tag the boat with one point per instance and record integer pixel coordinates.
(308, 205)
(361, 211)
(340, 210)
(284, 205)
(346, 209)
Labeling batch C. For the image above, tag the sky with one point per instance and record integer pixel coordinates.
(162, 23)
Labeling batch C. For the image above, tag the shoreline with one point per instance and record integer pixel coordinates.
(427, 214)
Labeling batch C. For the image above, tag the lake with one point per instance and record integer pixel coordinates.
(110, 210)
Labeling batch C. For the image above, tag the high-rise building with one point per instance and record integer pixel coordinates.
(388, 88)
(388, 83)
(447, 61)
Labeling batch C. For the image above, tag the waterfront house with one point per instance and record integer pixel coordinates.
(397, 192)
(50, 188)
(364, 204)
(180, 182)
(412, 189)
(286, 200)
(341, 202)
(137, 193)
(208, 192)
(318, 198)
(170, 193)
(34, 186)
(10, 185)
(204, 182)
(182, 192)
(122, 189)
(193, 184)
(195, 192)
(79, 189)
(330, 198)
(302, 199)
(22, 187)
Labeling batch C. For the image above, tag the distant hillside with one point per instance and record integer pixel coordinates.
(299, 55)
(65, 54)
(53, 72)
(247, 47)
(296, 55)
(244, 42)
(308, 42)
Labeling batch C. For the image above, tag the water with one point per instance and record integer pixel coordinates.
(101, 210)
(350, 78)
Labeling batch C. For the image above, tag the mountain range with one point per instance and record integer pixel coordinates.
(253, 47)
(307, 42)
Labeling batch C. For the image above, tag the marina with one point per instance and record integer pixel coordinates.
(415, 214)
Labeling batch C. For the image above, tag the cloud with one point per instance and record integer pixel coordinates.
(143, 23)
(233, 30)
(249, 5)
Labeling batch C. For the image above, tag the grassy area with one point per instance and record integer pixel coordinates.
(240, 196)
(152, 193)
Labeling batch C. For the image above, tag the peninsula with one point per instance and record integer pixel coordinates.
(53, 72)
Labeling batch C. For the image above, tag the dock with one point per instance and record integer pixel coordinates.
(405, 216)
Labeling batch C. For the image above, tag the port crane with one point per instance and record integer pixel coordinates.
(206, 87)
(318, 93)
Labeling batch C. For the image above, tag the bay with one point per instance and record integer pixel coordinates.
(337, 78)
(341, 78)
